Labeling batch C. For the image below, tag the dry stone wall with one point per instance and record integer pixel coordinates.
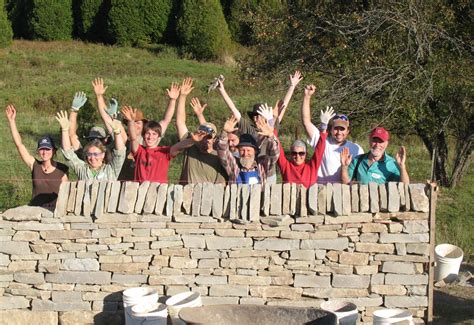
(278, 245)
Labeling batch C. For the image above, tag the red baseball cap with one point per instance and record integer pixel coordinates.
(381, 133)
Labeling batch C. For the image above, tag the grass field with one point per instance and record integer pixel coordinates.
(41, 78)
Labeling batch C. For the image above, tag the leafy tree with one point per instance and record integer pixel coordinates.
(6, 32)
(91, 21)
(50, 19)
(202, 29)
(18, 13)
(403, 64)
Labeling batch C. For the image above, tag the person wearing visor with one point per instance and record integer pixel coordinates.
(250, 167)
(339, 129)
(375, 166)
(46, 173)
(298, 170)
(200, 161)
(94, 167)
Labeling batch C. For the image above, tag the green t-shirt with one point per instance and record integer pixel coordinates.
(382, 171)
(201, 167)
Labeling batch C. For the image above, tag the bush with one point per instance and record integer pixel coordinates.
(51, 19)
(132, 22)
(91, 22)
(17, 13)
(202, 29)
(241, 10)
(6, 33)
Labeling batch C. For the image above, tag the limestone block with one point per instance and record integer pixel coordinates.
(323, 234)
(210, 279)
(46, 305)
(206, 199)
(393, 197)
(322, 197)
(354, 197)
(275, 244)
(4, 260)
(294, 198)
(303, 196)
(418, 199)
(150, 198)
(243, 206)
(313, 199)
(329, 199)
(400, 248)
(65, 234)
(395, 227)
(388, 289)
(161, 197)
(229, 290)
(255, 201)
(113, 198)
(16, 248)
(250, 280)
(187, 198)
(406, 279)
(312, 281)
(366, 269)
(208, 301)
(108, 190)
(404, 238)
(94, 192)
(398, 267)
(71, 202)
(335, 244)
(374, 197)
(420, 249)
(179, 262)
(335, 292)
(171, 279)
(255, 263)
(337, 198)
(369, 238)
(13, 302)
(276, 292)
(407, 197)
(364, 197)
(141, 196)
(306, 254)
(233, 201)
(79, 277)
(375, 248)
(29, 278)
(21, 317)
(405, 258)
(218, 200)
(26, 236)
(227, 243)
(350, 281)
(383, 199)
(276, 199)
(64, 296)
(405, 302)
(194, 241)
(99, 204)
(169, 200)
(77, 264)
(354, 258)
(354, 218)
(177, 199)
(61, 203)
(21, 266)
(27, 213)
(346, 199)
(374, 227)
(401, 193)
(415, 226)
(86, 202)
(230, 232)
(286, 196)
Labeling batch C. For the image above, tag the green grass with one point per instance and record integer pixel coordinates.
(41, 78)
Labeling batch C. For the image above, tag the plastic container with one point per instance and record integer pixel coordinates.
(448, 260)
(346, 312)
(137, 296)
(182, 300)
(149, 314)
(392, 316)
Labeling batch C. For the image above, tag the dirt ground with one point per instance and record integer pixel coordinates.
(454, 304)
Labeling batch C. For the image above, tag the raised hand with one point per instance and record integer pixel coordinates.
(215, 83)
(264, 128)
(401, 156)
(309, 90)
(116, 126)
(326, 116)
(173, 92)
(265, 111)
(346, 157)
(112, 108)
(10, 111)
(98, 85)
(129, 113)
(229, 125)
(197, 107)
(63, 120)
(295, 78)
(198, 136)
(187, 86)
(78, 101)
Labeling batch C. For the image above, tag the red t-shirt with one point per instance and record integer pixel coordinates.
(306, 173)
(152, 164)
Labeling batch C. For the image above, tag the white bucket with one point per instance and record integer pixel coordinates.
(448, 260)
(392, 316)
(136, 296)
(149, 314)
(181, 300)
(346, 312)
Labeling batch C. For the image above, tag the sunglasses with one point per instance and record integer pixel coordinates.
(341, 117)
(207, 129)
(298, 153)
(94, 154)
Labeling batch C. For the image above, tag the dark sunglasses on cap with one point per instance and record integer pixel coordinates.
(341, 117)
(299, 153)
(206, 129)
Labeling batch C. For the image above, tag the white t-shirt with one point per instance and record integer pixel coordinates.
(330, 169)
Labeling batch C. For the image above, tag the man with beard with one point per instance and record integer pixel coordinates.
(250, 167)
(375, 166)
(200, 162)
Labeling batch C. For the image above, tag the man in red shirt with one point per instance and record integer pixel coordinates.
(298, 170)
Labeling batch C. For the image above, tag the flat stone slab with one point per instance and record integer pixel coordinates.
(27, 213)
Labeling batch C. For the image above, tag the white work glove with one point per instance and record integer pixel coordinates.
(79, 100)
(112, 108)
(267, 112)
(326, 116)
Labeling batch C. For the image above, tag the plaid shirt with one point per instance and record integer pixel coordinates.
(263, 162)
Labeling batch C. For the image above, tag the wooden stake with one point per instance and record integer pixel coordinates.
(433, 195)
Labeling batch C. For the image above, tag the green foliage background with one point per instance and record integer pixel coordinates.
(6, 32)
(50, 20)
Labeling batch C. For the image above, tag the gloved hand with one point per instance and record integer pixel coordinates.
(326, 116)
(215, 83)
(116, 126)
(267, 112)
(63, 120)
(79, 100)
(112, 108)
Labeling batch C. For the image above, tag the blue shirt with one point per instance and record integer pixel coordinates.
(381, 171)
